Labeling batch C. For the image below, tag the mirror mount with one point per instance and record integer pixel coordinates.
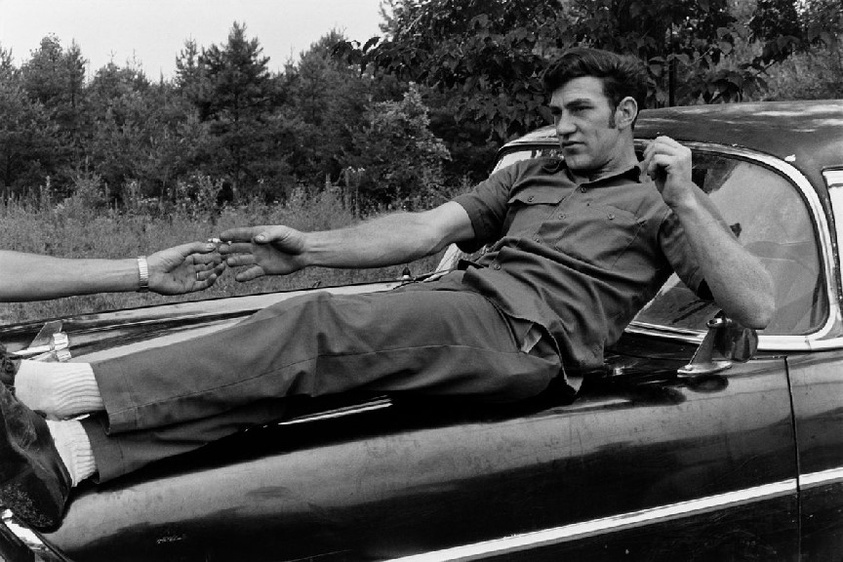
(733, 341)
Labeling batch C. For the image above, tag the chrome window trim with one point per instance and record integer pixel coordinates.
(819, 339)
(585, 529)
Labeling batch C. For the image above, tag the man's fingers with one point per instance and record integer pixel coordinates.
(206, 269)
(249, 274)
(195, 248)
(238, 260)
(242, 234)
(207, 260)
(648, 156)
(236, 248)
(204, 283)
(657, 164)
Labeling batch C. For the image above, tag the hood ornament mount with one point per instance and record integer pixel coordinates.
(51, 345)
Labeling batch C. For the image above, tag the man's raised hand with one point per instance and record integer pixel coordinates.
(669, 164)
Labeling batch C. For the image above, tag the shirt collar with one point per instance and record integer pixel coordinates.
(632, 174)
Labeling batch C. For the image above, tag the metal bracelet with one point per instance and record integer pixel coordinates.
(143, 274)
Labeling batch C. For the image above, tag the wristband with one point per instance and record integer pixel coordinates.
(143, 274)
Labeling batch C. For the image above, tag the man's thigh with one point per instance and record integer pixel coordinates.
(429, 342)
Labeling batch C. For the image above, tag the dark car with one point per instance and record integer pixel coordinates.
(673, 451)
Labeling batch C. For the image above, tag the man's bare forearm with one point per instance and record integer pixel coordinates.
(738, 280)
(388, 240)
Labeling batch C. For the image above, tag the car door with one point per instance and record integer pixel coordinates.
(817, 378)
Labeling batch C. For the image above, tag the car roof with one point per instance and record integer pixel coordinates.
(808, 134)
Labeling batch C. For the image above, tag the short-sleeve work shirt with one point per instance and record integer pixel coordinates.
(579, 259)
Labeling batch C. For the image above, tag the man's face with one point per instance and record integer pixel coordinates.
(585, 126)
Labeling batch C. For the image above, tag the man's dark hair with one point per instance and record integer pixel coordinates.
(622, 75)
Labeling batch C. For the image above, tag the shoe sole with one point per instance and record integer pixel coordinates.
(28, 487)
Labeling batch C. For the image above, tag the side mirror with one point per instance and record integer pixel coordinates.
(734, 341)
(731, 340)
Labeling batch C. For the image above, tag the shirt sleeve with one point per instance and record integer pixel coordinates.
(486, 206)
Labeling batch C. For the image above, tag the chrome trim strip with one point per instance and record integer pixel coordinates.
(576, 531)
(13, 529)
(765, 343)
(372, 405)
(821, 478)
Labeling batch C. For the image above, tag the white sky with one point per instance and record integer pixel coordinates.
(153, 32)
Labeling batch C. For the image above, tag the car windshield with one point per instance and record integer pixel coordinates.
(768, 214)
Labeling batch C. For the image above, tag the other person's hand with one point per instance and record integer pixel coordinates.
(264, 250)
(184, 269)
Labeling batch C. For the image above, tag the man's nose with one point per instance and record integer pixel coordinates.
(564, 125)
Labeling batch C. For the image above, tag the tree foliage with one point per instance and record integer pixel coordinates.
(393, 121)
(488, 54)
(397, 160)
(28, 137)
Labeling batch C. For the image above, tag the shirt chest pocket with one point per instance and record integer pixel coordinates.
(529, 209)
(598, 234)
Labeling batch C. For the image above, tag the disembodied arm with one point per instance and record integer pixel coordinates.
(181, 269)
(740, 284)
(388, 240)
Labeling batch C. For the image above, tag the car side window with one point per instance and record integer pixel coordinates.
(769, 216)
(525, 153)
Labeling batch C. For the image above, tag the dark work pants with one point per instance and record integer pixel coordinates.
(166, 401)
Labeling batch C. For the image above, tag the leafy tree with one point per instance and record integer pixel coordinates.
(324, 100)
(27, 137)
(234, 94)
(56, 78)
(397, 160)
(119, 111)
(7, 66)
(190, 77)
(823, 21)
(479, 62)
(485, 57)
(814, 61)
(682, 41)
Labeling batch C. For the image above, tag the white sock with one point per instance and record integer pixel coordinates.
(74, 448)
(59, 390)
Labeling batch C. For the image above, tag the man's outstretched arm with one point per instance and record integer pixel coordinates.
(388, 240)
(738, 280)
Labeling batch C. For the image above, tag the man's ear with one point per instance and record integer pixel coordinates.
(626, 112)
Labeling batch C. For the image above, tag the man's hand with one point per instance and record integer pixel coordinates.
(266, 250)
(669, 164)
(184, 269)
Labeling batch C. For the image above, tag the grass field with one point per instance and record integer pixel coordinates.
(75, 230)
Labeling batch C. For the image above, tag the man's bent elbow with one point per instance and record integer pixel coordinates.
(760, 319)
(759, 314)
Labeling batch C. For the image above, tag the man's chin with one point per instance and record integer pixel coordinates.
(578, 164)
